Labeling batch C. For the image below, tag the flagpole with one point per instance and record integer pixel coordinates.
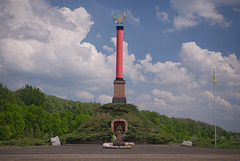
(214, 82)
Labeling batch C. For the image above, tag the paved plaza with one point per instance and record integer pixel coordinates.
(86, 152)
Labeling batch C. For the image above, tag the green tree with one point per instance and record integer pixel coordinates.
(152, 116)
(31, 96)
(6, 95)
(19, 124)
(37, 131)
(13, 117)
(39, 114)
(64, 122)
(5, 131)
(72, 125)
(56, 124)
(48, 123)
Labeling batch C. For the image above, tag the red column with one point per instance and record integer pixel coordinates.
(119, 83)
(119, 63)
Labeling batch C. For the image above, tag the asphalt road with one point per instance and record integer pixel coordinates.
(88, 152)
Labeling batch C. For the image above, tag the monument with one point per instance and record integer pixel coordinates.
(119, 82)
(119, 126)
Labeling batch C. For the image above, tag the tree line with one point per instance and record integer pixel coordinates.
(28, 112)
(188, 129)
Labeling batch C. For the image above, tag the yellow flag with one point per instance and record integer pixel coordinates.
(214, 78)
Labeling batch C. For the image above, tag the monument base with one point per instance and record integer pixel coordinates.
(120, 126)
(124, 145)
(119, 100)
(119, 91)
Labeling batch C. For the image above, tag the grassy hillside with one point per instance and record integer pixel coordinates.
(149, 127)
(98, 127)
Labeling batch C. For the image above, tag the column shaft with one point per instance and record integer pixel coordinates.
(119, 61)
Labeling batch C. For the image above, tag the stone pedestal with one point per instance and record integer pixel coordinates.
(119, 137)
(119, 91)
(120, 144)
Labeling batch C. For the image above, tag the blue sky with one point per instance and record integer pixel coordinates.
(67, 49)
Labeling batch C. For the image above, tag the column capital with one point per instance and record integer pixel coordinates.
(119, 27)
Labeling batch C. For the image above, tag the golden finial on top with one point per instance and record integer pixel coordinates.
(119, 19)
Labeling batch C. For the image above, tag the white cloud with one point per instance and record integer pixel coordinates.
(165, 73)
(163, 16)
(192, 12)
(47, 41)
(169, 30)
(144, 98)
(165, 95)
(108, 49)
(16, 55)
(182, 22)
(84, 95)
(235, 95)
(160, 102)
(131, 18)
(130, 92)
(219, 100)
(197, 59)
(202, 61)
(56, 53)
(98, 36)
(103, 99)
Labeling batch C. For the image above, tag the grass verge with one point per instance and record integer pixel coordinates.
(24, 142)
